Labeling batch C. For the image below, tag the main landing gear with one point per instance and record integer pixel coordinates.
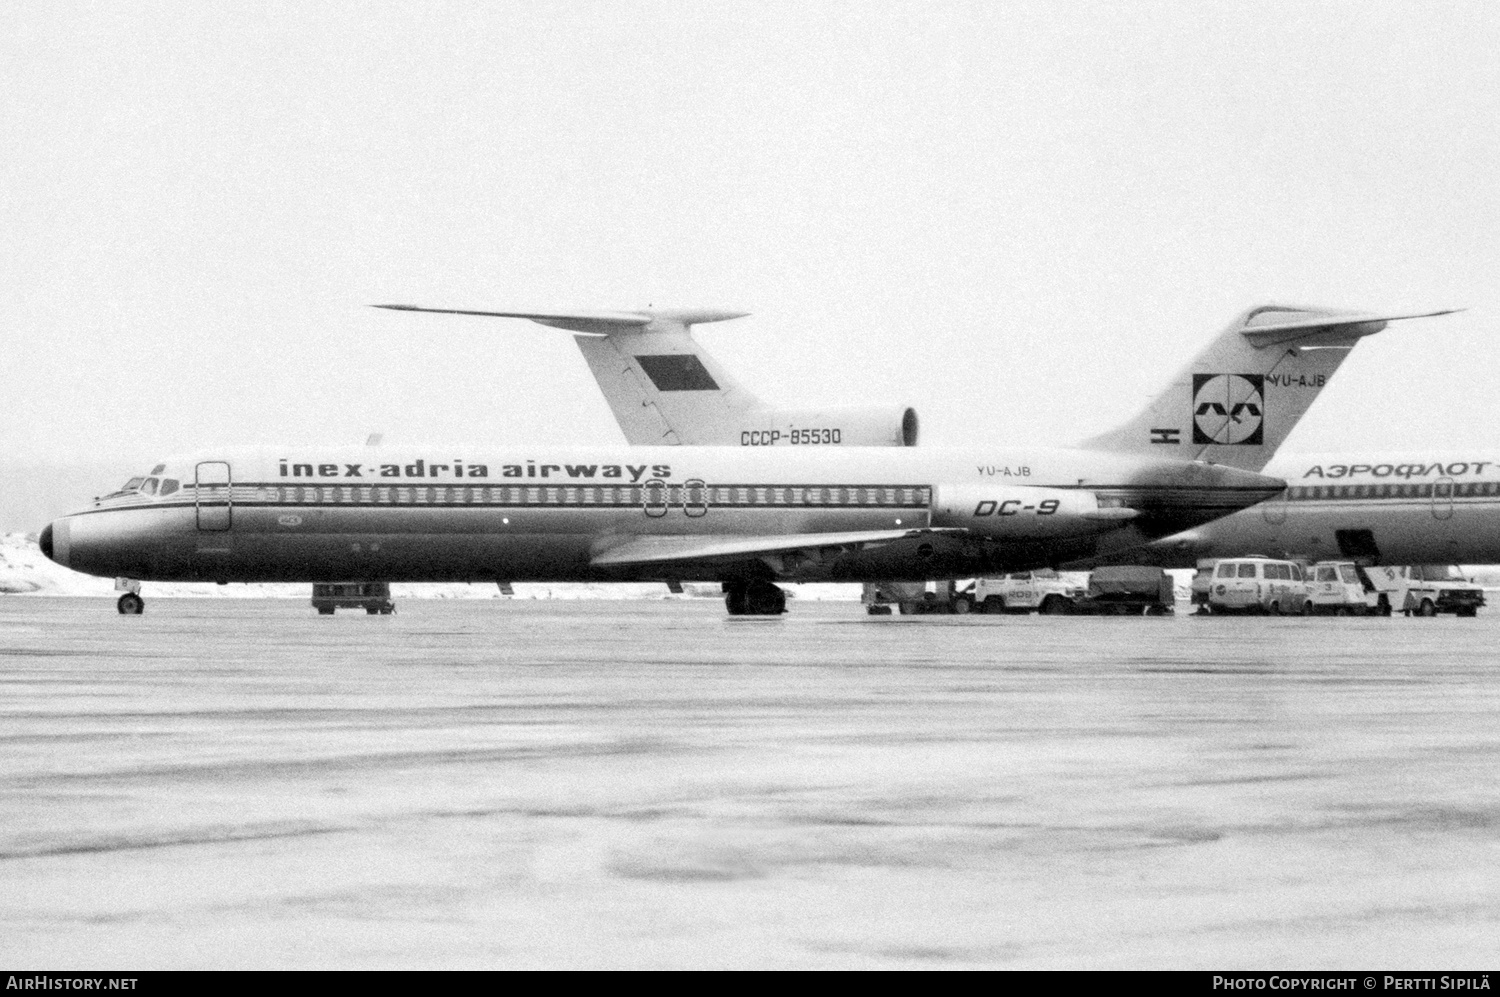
(754, 599)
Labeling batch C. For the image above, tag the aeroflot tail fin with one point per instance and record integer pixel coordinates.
(665, 388)
(1238, 399)
(661, 385)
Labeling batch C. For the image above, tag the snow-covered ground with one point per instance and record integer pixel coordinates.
(24, 571)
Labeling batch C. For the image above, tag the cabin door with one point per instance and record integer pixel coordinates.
(1442, 498)
(215, 504)
(1274, 509)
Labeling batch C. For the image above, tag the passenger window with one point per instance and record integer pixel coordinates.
(168, 486)
(149, 487)
(1349, 574)
(1327, 575)
(1226, 571)
(1296, 572)
(1247, 571)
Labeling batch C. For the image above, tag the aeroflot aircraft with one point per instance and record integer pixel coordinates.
(747, 517)
(1388, 508)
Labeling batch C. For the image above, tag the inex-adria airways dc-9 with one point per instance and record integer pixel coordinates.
(747, 517)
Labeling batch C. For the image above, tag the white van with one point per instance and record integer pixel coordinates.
(1258, 585)
(1343, 589)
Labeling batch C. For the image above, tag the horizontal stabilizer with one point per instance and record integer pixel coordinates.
(602, 323)
(1241, 396)
(1336, 325)
(669, 549)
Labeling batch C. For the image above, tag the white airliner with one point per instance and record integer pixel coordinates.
(1385, 508)
(744, 517)
(747, 517)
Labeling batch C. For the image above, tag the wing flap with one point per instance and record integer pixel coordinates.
(668, 549)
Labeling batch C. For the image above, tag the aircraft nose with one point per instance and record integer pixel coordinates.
(45, 541)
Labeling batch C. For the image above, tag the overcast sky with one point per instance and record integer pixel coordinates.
(1017, 217)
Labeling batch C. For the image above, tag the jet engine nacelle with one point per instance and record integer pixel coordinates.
(1022, 512)
(849, 427)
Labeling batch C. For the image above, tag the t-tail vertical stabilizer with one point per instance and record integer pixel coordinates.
(1238, 400)
(664, 388)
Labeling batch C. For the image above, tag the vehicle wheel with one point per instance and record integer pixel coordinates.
(1467, 611)
(325, 610)
(1383, 606)
(1307, 608)
(994, 604)
(1274, 609)
(130, 604)
(962, 604)
(1427, 608)
(878, 610)
(1055, 605)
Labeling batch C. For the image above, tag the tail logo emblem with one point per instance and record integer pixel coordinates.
(1229, 409)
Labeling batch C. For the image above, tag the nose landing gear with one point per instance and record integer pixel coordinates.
(131, 603)
(754, 599)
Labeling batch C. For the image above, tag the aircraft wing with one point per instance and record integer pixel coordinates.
(670, 549)
(1349, 325)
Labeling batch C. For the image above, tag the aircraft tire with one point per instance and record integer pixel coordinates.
(764, 599)
(130, 604)
(737, 600)
(325, 610)
(1427, 608)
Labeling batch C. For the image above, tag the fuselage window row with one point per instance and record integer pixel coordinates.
(624, 496)
(1470, 489)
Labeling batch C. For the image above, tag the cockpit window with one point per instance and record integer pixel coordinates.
(158, 468)
(168, 486)
(148, 487)
(132, 484)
